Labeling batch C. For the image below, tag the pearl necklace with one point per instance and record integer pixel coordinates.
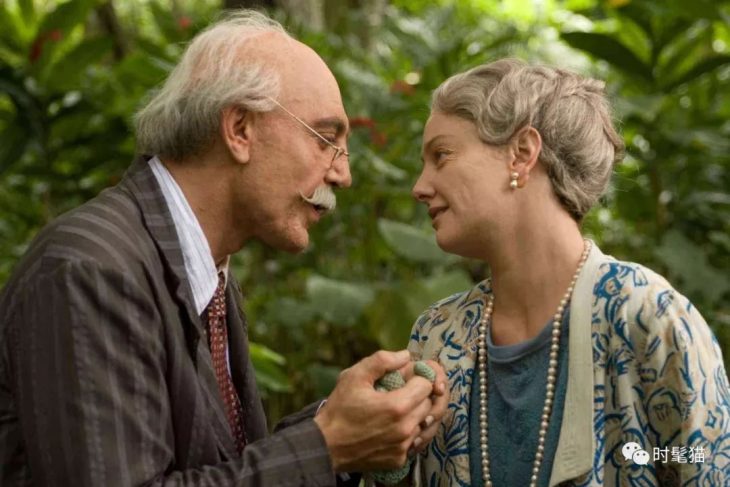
(551, 377)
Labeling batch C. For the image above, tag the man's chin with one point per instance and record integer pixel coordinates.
(293, 244)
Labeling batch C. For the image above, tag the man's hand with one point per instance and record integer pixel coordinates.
(367, 429)
(440, 402)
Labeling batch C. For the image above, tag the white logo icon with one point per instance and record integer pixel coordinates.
(632, 451)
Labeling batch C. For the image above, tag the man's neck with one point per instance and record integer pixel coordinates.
(203, 183)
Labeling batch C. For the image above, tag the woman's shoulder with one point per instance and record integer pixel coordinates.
(636, 286)
(450, 319)
(445, 309)
(641, 306)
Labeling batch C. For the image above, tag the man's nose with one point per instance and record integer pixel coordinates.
(338, 174)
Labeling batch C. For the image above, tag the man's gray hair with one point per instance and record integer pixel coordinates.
(182, 118)
(580, 145)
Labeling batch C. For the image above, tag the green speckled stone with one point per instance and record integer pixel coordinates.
(390, 382)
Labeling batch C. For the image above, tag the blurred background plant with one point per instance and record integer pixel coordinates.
(72, 74)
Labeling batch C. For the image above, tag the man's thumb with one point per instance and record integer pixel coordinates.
(382, 361)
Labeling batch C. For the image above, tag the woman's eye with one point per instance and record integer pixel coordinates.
(440, 155)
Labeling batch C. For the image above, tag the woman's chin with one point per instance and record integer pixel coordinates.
(457, 246)
(447, 243)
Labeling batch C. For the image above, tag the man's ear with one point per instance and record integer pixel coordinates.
(236, 131)
(526, 147)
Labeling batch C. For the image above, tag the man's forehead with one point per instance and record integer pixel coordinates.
(311, 86)
(306, 84)
(317, 100)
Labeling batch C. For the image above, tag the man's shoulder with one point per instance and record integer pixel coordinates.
(107, 231)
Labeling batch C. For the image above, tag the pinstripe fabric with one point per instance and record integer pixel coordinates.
(105, 378)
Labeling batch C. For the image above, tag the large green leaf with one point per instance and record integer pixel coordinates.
(683, 52)
(11, 153)
(609, 49)
(66, 16)
(323, 377)
(166, 22)
(56, 35)
(12, 30)
(703, 67)
(27, 10)
(412, 243)
(389, 319)
(66, 73)
(338, 302)
(29, 116)
(645, 107)
(393, 312)
(695, 9)
(688, 264)
(670, 31)
(638, 12)
(288, 311)
(268, 366)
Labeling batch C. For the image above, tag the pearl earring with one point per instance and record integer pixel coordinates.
(513, 179)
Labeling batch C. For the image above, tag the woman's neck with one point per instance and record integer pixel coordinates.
(531, 270)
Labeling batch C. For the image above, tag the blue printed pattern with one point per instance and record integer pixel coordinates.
(658, 380)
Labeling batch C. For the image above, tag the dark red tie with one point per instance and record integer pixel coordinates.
(218, 343)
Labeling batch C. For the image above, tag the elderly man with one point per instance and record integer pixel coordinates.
(124, 351)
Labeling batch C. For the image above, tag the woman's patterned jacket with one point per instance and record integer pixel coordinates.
(644, 367)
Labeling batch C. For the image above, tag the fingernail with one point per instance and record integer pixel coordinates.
(417, 442)
(403, 355)
(442, 387)
(428, 421)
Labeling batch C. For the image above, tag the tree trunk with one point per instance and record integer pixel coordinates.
(110, 23)
(309, 13)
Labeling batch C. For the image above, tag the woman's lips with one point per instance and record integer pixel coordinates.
(436, 211)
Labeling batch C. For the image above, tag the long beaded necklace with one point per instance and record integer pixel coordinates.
(551, 377)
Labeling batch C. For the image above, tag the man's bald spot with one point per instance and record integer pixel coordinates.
(305, 79)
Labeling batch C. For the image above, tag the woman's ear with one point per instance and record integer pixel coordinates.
(526, 147)
(236, 130)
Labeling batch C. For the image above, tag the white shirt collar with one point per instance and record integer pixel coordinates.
(199, 265)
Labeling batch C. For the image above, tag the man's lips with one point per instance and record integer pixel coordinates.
(321, 210)
(435, 211)
(318, 211)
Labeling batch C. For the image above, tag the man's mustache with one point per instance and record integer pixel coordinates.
(323, 197)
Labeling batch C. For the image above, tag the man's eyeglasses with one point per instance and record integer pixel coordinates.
(339, 151)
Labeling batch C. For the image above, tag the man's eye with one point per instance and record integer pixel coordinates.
(329, 138)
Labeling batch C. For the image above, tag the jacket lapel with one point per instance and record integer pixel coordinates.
(574, 453)
(142, 183)
(242, 371)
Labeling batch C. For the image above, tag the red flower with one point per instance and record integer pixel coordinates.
(362, 122)
(184, 22)
(36, 49)
(400, 86)
(377, 138)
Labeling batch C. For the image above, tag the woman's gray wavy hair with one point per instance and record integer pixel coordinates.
(183, 116)
(580, 145)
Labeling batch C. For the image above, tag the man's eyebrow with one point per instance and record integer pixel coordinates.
(331, 123)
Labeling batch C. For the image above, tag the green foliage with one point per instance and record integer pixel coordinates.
(69, 87)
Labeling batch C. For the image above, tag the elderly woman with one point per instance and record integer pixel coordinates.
(567, 366)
